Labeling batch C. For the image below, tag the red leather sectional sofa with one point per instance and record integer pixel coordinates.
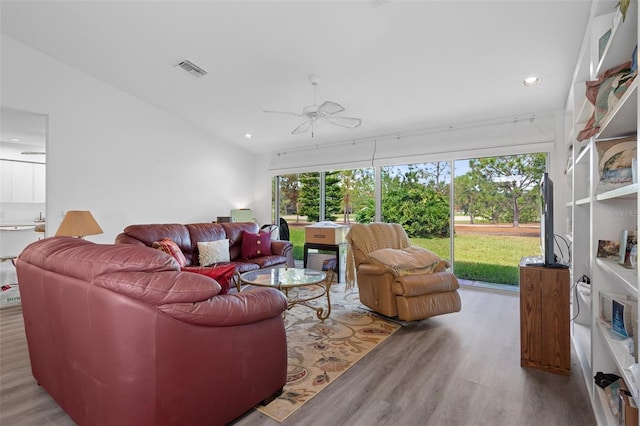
(118, 335)
(188, 236)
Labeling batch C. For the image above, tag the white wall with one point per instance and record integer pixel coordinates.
(111, 153)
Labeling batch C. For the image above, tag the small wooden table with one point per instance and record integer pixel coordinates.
(545, 341)
(285, 279)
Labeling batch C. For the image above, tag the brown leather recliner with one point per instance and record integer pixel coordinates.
(410, 297)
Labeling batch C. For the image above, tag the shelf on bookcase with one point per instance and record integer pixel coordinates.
(582, 157)
(581, 338)
(627, 276)
(627, 191)
(618, 348)
(583, 107)
(583, 201)
(623, 38)
(622, 120)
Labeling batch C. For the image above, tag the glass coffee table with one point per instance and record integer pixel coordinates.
(285, 279)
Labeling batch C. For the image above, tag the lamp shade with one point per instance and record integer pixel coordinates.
(78, 223)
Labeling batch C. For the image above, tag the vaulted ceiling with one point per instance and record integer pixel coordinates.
(400, 66)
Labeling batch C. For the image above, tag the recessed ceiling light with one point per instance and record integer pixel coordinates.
(248, 135)
(15, 140)
(530, 81)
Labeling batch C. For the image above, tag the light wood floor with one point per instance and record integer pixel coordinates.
(456, 369)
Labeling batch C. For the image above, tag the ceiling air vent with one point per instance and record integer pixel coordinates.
(191, 68)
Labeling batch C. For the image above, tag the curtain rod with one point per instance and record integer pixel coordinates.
(424, 132)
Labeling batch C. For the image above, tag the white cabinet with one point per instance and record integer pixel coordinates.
(5, 181)
(22, 182)
(39, 182)
(596, 213)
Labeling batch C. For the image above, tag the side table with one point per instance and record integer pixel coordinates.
(339, 251)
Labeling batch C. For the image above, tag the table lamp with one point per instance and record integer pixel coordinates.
(78, 223)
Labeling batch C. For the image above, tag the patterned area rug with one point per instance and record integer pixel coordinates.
(319, 353)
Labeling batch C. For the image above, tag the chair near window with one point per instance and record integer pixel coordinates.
(284, 230)
(390, 275)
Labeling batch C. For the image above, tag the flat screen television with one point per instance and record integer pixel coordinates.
(546, 221)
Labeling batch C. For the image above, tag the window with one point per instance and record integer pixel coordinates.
(493, 209)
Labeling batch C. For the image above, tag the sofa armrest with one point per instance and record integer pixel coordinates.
(230, 309)
(285, 249)
(160, 288)
(123, 238)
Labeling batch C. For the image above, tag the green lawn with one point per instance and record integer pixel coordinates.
(487, 258)
(478, 257)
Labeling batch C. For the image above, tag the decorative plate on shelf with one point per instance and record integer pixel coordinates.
(616, 162)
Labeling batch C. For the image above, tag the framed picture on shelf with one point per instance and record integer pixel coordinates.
(602, 43)
(615, 162)
(627, 240)
(608, 249)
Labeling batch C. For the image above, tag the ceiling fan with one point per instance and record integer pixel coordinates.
(312, 114)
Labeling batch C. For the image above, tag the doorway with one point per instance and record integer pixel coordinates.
(23, 179)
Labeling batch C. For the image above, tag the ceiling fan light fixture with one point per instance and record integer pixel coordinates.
(313, 114)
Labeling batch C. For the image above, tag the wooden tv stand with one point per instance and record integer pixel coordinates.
(544, 319)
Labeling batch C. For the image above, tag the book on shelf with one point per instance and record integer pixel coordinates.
(606, 302)
(621, 318)
(628, 239)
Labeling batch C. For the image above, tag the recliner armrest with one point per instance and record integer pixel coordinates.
(419, 284)
(374, 269)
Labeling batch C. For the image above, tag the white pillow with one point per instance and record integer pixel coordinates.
(407, 258)
(213, 252)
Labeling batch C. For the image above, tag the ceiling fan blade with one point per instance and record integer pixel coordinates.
(349, 122)
(302, 128)
(292, 114)
(329, 107)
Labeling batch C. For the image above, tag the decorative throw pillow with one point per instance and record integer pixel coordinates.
(604, 93)
(222, 274)
(409, 258)
(211, 252)
(169, 246)
(255, 245)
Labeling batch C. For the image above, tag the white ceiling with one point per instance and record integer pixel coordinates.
(401, 66)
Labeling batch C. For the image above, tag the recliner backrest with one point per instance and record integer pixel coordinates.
(365, 238)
